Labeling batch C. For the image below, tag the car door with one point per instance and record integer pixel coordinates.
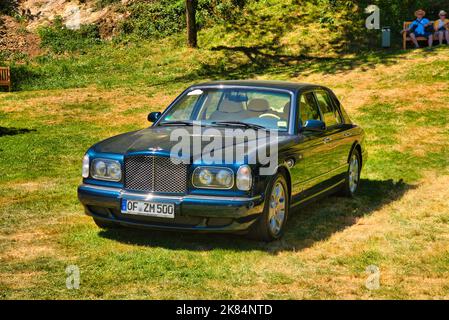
(335, 150)
(309, 168)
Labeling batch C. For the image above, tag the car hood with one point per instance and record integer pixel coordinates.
(158, 140)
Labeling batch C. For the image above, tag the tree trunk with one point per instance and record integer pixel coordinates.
(191, 24)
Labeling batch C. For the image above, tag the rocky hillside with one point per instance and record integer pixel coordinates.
(16, 40)
(73, 13)
(21, 19)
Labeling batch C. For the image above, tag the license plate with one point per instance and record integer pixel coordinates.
(151, 209)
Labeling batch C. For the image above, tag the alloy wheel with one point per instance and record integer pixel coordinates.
(354, 173)
(276, 214)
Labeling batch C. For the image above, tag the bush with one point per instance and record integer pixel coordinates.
(155, 19)
(158, 19)
(60, 39)
(103, 3)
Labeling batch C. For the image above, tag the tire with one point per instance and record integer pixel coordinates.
(352, 180)
(271, 224)
(105, 224)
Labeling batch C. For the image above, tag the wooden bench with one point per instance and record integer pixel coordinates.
(407, 38)
(5, 77)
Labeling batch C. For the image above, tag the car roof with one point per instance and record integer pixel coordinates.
(287, 85)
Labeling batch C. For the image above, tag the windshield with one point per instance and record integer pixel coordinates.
(265, 108)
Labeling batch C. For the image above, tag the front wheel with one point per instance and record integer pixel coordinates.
(271, 224)
(352, 180)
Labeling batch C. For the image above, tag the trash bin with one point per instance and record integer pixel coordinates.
(386, 37)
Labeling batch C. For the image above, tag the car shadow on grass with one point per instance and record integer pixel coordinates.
(307, 225)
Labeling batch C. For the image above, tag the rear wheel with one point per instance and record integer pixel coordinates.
(106, 224)
(352, 180)
(271, 224)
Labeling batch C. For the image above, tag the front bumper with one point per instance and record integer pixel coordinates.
(192, 213)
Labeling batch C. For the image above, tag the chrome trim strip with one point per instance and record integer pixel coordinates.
(100, 188)
(176, 198)
(237, 199)
(317, 194)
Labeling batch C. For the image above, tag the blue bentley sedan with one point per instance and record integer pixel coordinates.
(226, 156)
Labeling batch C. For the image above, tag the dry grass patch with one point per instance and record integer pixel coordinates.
(384, 83)
(108, 105)
(421, 140)
(20, 280)
(26, 245)
(32, 186)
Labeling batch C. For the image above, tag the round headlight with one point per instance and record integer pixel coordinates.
(224, 178)
(114, 171)
(205, 177)
(100, 168)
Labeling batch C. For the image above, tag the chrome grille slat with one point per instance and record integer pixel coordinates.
(155, 174)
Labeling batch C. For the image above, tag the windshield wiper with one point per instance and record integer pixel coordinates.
(176, 123)
(239, 123)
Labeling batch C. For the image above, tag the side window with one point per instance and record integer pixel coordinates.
(308, 108)
(330, 113)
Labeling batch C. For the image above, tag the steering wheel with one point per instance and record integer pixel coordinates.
(271, 115)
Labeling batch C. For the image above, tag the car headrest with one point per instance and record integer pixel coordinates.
(228, 106)
(258, 105)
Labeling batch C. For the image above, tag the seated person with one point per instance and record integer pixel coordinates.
(441, 27)
(421, 27)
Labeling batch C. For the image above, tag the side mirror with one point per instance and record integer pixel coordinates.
(153, 116)
(314, 125)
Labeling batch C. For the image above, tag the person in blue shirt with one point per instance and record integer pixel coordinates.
(421, 27)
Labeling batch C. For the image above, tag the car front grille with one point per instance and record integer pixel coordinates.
(155, 174)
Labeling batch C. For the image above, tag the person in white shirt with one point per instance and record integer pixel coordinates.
(442, 27)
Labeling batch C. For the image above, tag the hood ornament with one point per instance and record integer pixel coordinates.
(155, 149)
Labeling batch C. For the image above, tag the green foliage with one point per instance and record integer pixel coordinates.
(158, 19)
(155, 19)
(60, 39)
(103, 3)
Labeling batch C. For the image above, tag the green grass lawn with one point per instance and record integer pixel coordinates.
(399, 222)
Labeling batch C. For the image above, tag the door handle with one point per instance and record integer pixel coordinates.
(327, 139)
(347, 134)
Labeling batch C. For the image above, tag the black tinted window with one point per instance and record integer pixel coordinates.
(330, 114)
(308, 108)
